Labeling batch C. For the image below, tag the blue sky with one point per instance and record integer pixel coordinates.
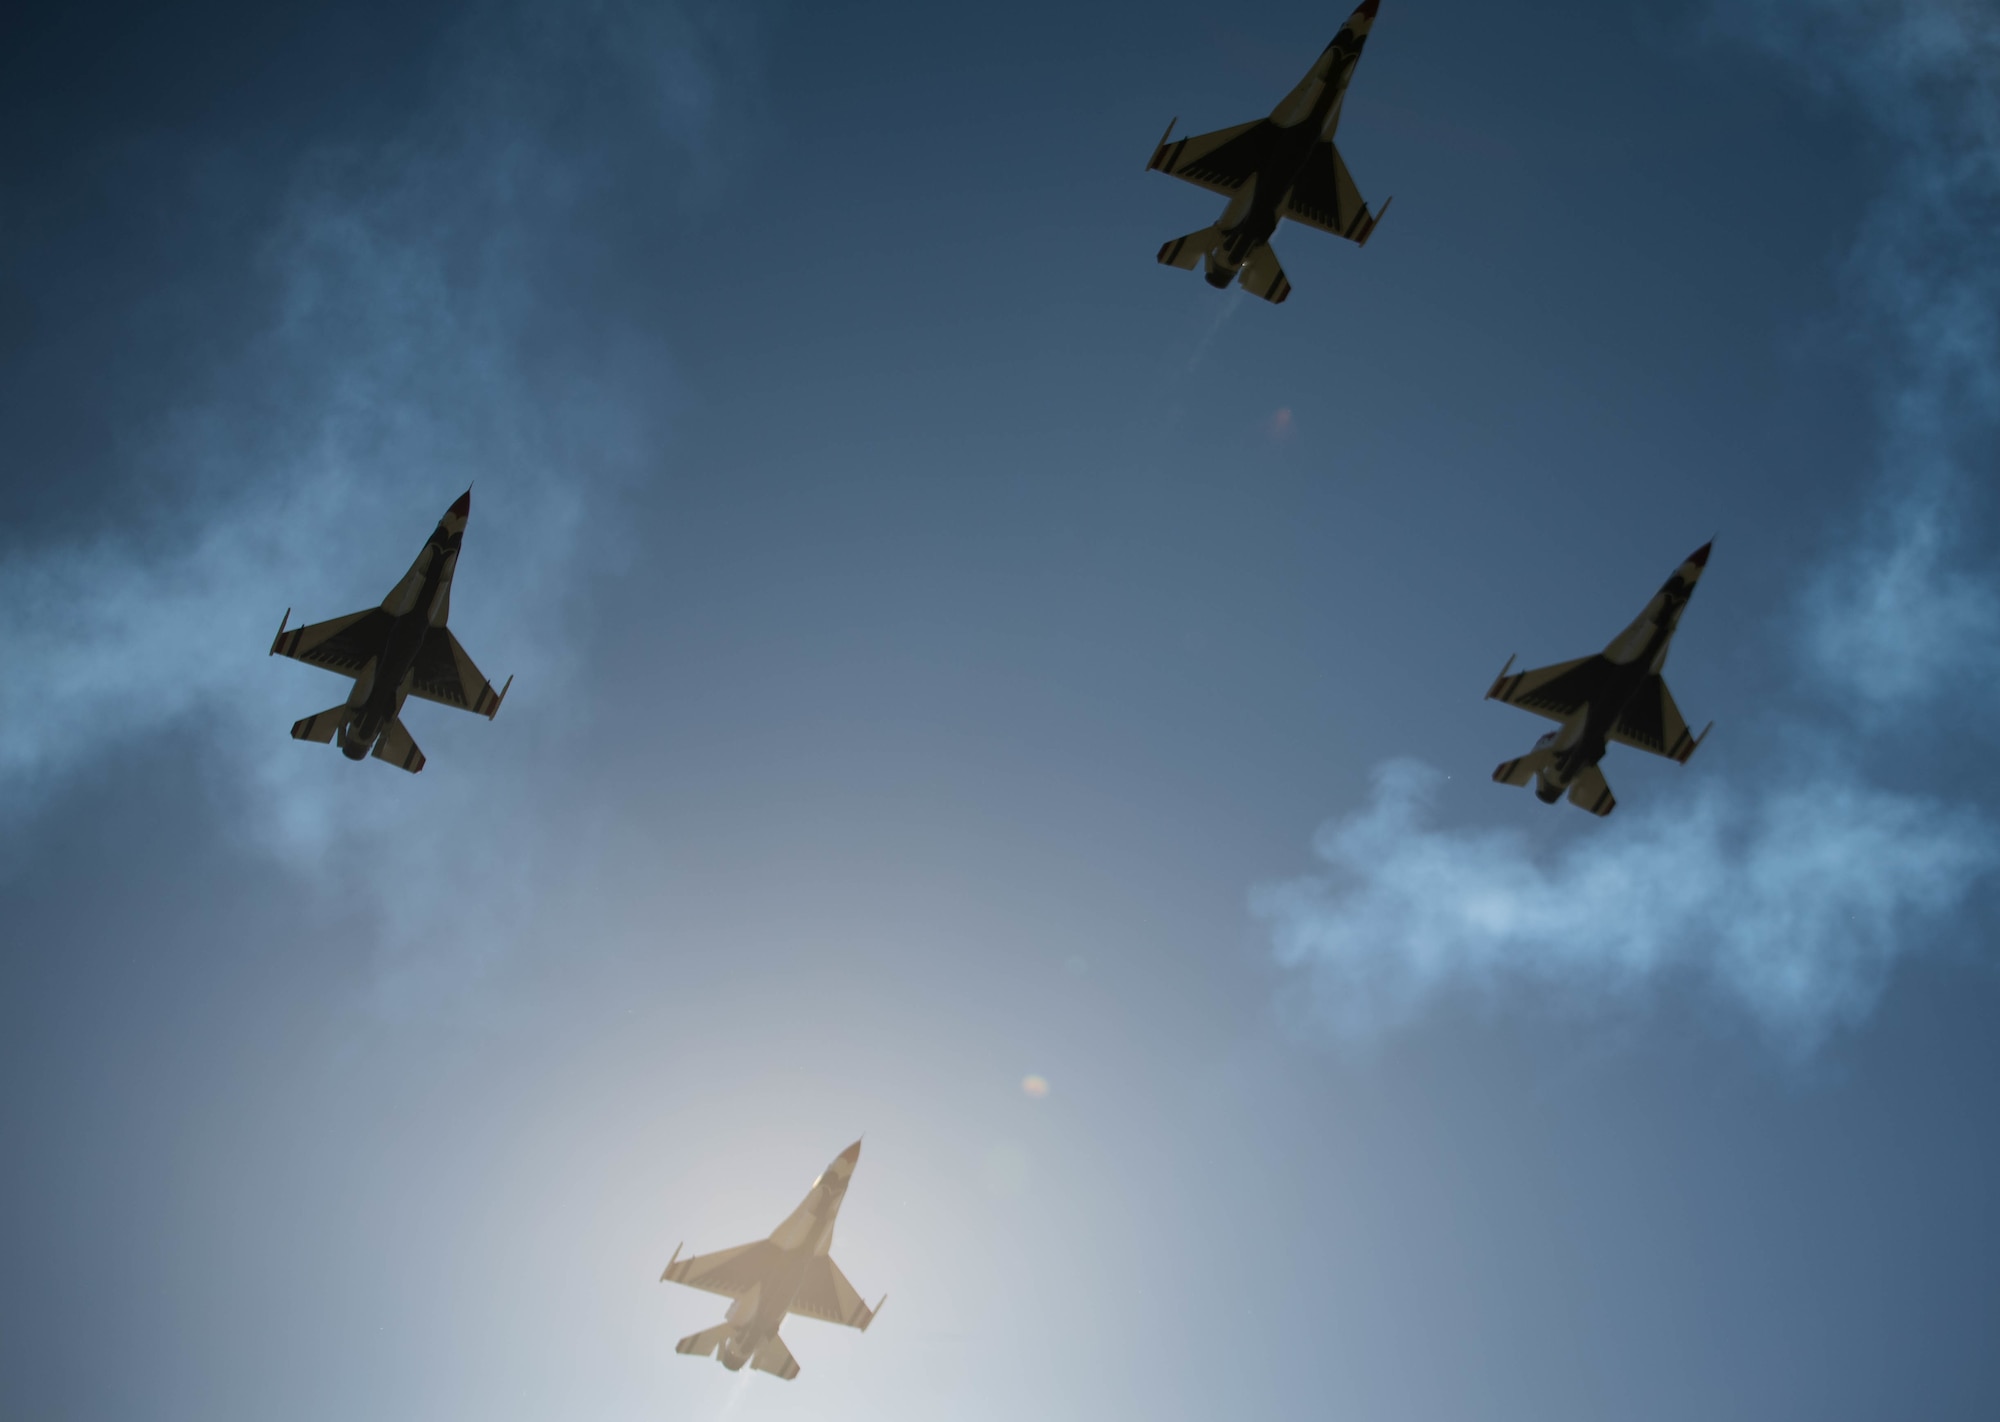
(951, 648)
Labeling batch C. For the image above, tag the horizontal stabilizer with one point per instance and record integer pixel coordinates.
(1520, 772)
(1589, 792)
(1187, 252)
(704, 1343)
(398, 749)
(1262, 276)
(773, 1357)
(323, 726)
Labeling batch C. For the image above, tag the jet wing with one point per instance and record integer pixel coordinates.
(1324, 196)
(1651, 722)
(344, 644)
(1222, 161)
(445, 674)
(1557, 692)
(824, 1293)
(729, 1272)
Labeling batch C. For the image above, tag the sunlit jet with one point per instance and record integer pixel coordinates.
(1281, 166)
(787, 1273)
(397, 650)
(1616, 695)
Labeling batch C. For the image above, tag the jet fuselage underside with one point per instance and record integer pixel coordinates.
(1252, 217)
(388, 686)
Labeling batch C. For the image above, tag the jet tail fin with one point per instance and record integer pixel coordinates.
(1521, 771)
(1590, 792)
(1187, 252)
(1262, 276)
(704, 1343)
(398, 748)
(322, 726)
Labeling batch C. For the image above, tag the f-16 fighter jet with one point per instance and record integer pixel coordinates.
(787, 1273)
(1615, 696)
(397, 650)
(1282, 166)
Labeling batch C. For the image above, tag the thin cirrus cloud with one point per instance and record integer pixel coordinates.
(1790, 898)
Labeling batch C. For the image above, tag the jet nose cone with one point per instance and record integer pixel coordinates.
(1700, 555)
(1368, 7)
(463, 506)
(852, 1153)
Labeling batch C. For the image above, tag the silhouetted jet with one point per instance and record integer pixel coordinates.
(1616, 695)
(399, 649)
(1282, 166)
(787, 1273)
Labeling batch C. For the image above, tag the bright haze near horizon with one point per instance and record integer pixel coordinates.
(952, 649)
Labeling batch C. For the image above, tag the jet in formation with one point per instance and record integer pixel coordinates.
(1281, 166)
(1617, 695)
(790, 1272)
(395, 651)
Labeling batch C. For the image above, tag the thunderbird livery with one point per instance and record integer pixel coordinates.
(398, 650)
(1617, 695)
(1281, 166)
(790, 1272)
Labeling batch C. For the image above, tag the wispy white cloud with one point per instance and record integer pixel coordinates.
(1790, 897)
(431, 323)
(1791, 903)
(404, 356)
(1911, 609)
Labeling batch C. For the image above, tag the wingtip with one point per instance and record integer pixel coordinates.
(1376, 221)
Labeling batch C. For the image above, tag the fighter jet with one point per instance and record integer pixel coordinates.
(397, 650)
(1616, 695)
(1282, 166)
(787, 1273)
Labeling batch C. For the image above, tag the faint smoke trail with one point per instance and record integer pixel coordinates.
(737, 1392)
(1226, 309)
(1790, 900)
